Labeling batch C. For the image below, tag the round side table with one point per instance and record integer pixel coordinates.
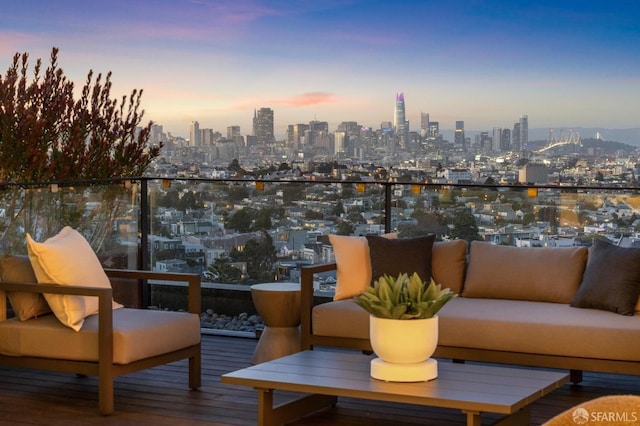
(278, 304)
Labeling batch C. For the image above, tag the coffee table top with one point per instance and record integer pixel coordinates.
(467, 387)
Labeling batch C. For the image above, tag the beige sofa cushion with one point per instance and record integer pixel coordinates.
(448, 262)
(507, 325)
(542, 274)
(137, 334)
(539, 328)
(17, 268)
(342, 318)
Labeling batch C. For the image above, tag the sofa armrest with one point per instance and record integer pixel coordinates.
(193, 281)
(3, 305)
(306, 298)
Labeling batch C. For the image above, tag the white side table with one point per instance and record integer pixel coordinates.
(278, 304)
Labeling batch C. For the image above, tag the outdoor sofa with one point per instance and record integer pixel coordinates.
(93, 334)
(559, 307)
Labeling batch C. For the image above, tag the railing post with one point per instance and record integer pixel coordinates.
(144, 257)
(387, 207)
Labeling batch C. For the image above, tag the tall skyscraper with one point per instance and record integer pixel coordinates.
(505, 141)
(263, 125)
(340, 143)
(299, 131)
(495, 141)
(434, 130)
(424, 124)
(515, 138)
(524, 131)
(194, 134)
(459, 139)
(400, 125)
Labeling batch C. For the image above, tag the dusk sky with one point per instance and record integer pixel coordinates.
(562, 63)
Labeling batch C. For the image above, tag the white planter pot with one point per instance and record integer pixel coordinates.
(404, 349)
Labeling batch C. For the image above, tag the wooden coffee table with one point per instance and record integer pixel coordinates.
(326, 375)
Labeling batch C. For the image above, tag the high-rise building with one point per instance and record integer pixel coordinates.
(319, 126)
(400, 124)
(340, 143)
(505, 140)
(524, 131)
(252, 140)
(434, 130)
(194, 134)
(233, 131)
(298, 135)
(495, 140)
(424, 123)
(157, 135)
(263, 125)
(515, 138)
(484, 141)
(289, 136)
(206, 137)
(459, 139)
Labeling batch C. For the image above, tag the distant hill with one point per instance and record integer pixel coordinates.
(627, 136)
(603, 146)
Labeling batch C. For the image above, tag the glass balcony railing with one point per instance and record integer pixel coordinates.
(235, 233)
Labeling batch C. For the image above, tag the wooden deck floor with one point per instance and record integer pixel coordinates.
(160, 396)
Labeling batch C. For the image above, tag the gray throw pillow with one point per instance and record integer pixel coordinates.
(403, 255)
(611, 280)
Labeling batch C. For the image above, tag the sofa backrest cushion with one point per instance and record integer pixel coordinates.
(543, 274)
(17, 268)
(448, 262)
(401, 256)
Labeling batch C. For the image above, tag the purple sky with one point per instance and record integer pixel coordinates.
(563, 63)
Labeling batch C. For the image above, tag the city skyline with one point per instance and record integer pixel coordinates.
(563, 63)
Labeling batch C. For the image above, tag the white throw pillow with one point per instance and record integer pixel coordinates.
(68, 259)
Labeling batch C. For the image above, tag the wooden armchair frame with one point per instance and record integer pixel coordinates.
(104, 367)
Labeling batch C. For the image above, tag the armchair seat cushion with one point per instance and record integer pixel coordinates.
(137, 334)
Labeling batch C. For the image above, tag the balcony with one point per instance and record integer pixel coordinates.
(184, 225)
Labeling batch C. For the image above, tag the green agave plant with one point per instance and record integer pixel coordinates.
(404, 297)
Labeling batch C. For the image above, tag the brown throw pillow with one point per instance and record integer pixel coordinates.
(611, 280)
(403, 255)
(16, 268)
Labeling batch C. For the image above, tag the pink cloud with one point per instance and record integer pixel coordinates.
(306, 99)
(296, 101)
